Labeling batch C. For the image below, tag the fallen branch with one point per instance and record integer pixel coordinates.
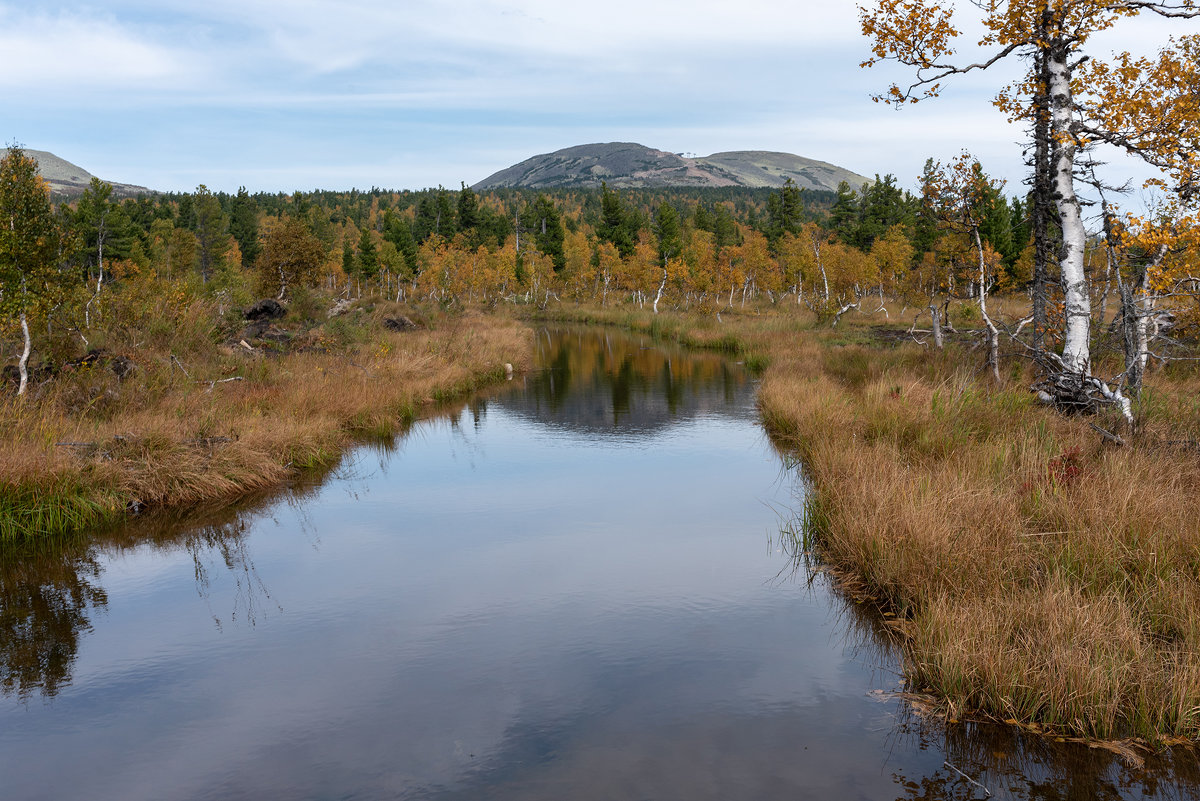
(214, 382)
(837, 317)
(1108, 435)
(968, 778)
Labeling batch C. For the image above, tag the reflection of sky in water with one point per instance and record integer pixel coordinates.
(497, 609)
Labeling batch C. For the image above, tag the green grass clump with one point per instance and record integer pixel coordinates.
(36, 511)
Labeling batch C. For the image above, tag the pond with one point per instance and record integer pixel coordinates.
(571, 587)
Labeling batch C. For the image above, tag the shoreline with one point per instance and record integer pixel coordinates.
(193, 442)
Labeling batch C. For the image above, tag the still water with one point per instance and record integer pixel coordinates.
(572, 587)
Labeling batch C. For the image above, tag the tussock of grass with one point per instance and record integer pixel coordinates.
(166, 439)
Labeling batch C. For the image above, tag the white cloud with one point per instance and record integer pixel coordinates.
(335, 35)
(40, 51)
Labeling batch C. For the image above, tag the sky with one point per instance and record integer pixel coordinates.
(279, 95)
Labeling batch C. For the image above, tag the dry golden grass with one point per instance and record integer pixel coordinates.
(1045, 576)
(169, 439)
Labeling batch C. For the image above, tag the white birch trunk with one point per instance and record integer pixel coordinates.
(1076, 354)
(993, 334)
(658, 297)
(23, 364)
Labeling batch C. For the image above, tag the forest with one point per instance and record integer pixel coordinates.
(698, 249)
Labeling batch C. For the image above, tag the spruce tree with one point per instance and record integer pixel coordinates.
(243, 226)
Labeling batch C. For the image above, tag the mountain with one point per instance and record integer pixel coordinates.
(70, 179)
(626, 164)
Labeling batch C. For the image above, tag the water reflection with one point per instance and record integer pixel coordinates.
(47, 600)
(52, 592)
(982, 760)
(609, 385)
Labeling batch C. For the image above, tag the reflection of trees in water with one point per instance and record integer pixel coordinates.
(1014, 764)
(227, 545)
(982, 758)
(50, 593)
(598, 382)
(46, 602)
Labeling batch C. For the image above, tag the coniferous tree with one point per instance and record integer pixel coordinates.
(185, 216)
(925, 222)
(616, 223)
(542, 220)
(243, 225)
(843, 217)
(725, 228)
(397, 231)
(468, 208)
(211, 229)
(669, 232)
(106, 232)
(348, 259)
(785, 211)
(882, 205)
(368, 256)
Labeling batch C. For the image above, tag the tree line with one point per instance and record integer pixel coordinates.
(960, 236)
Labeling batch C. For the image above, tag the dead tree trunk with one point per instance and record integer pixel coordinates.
(23, 364)
(939, 339)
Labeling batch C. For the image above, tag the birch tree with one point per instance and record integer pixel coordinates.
(29, 247)
(1053, 37)
(964, 194)
(93, 216)
(289, 255)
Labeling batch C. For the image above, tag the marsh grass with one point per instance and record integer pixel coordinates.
(1044, 576)
(91, 446)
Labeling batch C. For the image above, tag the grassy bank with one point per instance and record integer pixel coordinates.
(221, 419)
(1036, 573)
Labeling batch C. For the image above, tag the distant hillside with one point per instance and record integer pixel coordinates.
(70, 179)
(626, 164)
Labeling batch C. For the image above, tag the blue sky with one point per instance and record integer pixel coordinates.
(305, 94)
